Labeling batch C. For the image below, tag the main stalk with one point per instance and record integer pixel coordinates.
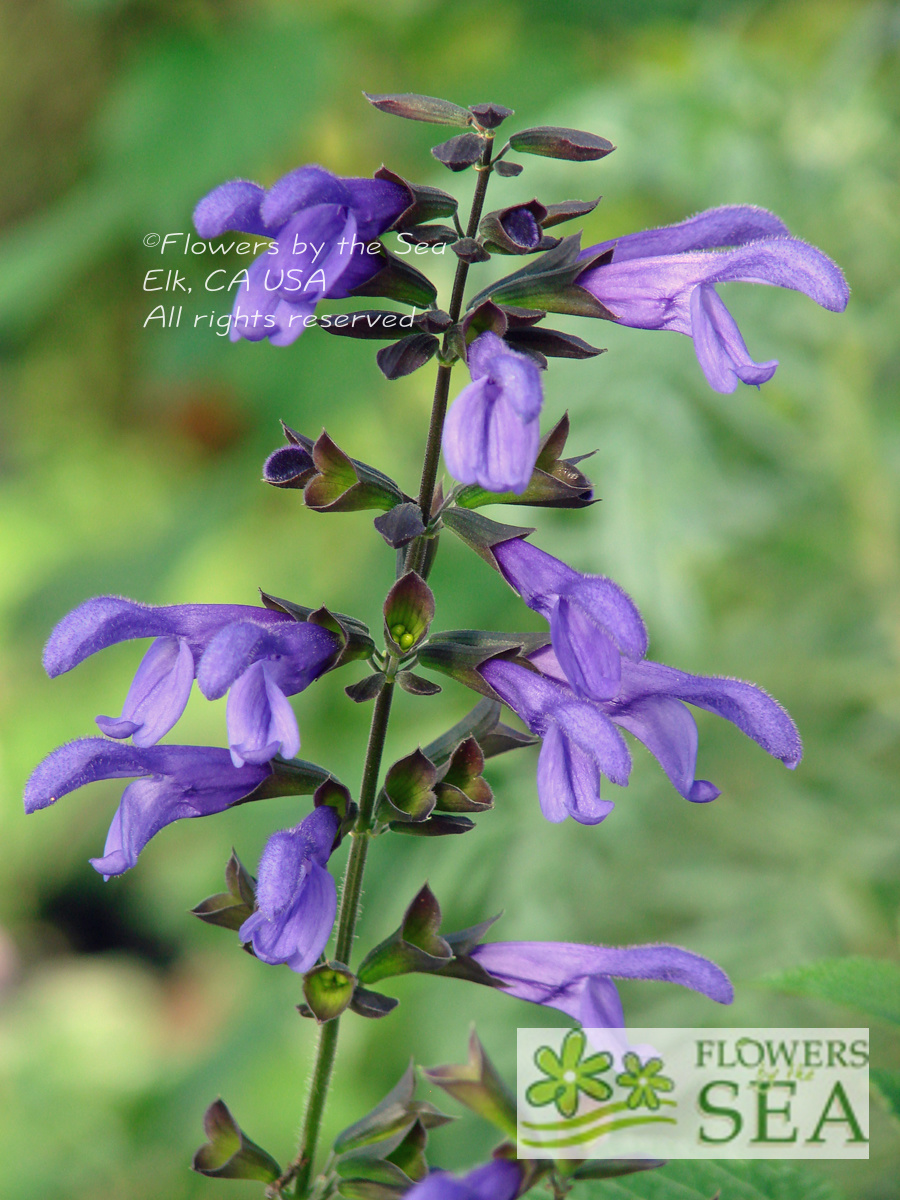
(301, 1171)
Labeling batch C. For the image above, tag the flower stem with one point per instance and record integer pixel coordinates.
(417, 553)
(356, 860)
(346, 927)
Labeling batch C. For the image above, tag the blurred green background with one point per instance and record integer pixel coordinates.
(758, 532)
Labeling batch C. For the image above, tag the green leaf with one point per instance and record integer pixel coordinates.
(695, 1180)
(229, 1153)
(420, 108)
(870, 984)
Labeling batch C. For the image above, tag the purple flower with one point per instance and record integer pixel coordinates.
(580, 743)
(522, 227)
(262, 665)
(665, 279)
(321, 225)
(592, 621)
(577, 744)
(496, 1180)
(172, 782)
(261, 654)
(578, 979)
(492, 431)
(296, 896)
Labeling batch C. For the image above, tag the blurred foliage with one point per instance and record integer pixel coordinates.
(758, 532)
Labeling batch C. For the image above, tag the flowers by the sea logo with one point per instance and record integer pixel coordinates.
(569, 1074)
(693, 1093)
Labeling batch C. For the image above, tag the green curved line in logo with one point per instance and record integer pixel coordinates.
(589, 1135)
(596, 1114)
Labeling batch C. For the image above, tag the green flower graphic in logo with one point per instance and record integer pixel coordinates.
(644, 1080)
(568, 1074)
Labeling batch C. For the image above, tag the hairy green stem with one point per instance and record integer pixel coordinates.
(415, 560)
(351, 890)
(346, 927)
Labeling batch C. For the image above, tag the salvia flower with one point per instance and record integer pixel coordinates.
(320, 224)
(492, 431)
(170, 783)
(579, 742)
(650, 705)
(578, 979)
(296, 896)
(666, 279)
(593, 622)
(497, 1180)
(262, 655)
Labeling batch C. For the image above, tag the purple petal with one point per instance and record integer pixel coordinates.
(297, 653)
(483, 350)
(730, 225)
(376, 204)
(548, 664)
(669, 964)
(487, 442)
(287, 855)
(79, 763)
(720, 349)
(753, 711)
(568, 781)
(257, 303)
(299, 932)
(290, 320)
(301, 189)
(106, 620)
(538, 577)
(198, 781)
(654, 293)
(497, 1180)
(669, 732)
(158, 694)
(311, 246)
(520, 226)
(283, 867)
(529, 971)
(439, 1185)
(590, 728)
(601, 1006)
(515, 374)
(358, 269)
(205, 771)
(233, 205)
(286, 463)
(261, 722)
(527, 693)
(548, 966)
(519, 382)
(611, 608)
(147, 805)
(588, 656)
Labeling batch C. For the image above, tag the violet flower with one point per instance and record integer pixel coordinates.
(296, 896)
(263, 655)
(593, 622)
(172, 782)
(321, 225)
(578, 979)
(262, 665)
(577, 747)
(665, 279)
(492, 431)
(579, 744)
(496, 1180)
